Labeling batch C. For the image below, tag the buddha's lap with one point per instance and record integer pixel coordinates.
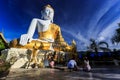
(38, 44)
(34, 43)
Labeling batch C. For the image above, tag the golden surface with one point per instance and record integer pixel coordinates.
(53, 32)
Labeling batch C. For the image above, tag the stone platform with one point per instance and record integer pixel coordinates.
(102, 73)
(21, 57)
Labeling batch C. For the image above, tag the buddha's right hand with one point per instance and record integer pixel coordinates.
(24, 39)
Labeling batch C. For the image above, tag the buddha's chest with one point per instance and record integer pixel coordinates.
(49, 34)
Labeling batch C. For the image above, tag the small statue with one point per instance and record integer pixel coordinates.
(48, 32)
(33, 59)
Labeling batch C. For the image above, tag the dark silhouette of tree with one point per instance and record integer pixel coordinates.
(116, 37)
(94, 46)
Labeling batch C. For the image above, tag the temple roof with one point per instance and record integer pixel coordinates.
(2, 37)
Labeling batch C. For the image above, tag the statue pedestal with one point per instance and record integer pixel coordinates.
(19, 58)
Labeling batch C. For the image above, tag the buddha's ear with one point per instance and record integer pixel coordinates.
(42, 14)
(41, 11)
(52, 18)
(41, 17)
(52, 21)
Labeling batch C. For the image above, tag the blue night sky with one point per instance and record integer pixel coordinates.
(79, 19)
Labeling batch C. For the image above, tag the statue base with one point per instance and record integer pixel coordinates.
(21, 58)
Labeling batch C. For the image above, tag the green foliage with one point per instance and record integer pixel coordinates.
(2, 46)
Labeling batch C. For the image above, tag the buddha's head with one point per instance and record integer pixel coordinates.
(47, 13)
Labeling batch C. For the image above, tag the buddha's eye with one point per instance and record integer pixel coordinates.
(51, 11)
(47, 10)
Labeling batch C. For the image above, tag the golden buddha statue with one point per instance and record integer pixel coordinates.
(49, 33)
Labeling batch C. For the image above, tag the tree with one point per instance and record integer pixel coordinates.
(116, 37)
(94, 46)
(2, 46)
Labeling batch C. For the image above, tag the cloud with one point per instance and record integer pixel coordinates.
(77, 36)
(100, 16)
(109, 31)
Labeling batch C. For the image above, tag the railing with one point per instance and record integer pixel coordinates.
(113, 62)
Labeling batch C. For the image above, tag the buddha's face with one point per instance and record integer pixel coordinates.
(47, 13)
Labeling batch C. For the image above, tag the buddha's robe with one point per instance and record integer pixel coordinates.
(53, 32)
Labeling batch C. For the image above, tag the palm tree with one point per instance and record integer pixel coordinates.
(116, 37)
(94, 46)
(104, 48)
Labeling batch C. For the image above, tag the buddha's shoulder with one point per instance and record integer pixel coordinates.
(55, 26)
